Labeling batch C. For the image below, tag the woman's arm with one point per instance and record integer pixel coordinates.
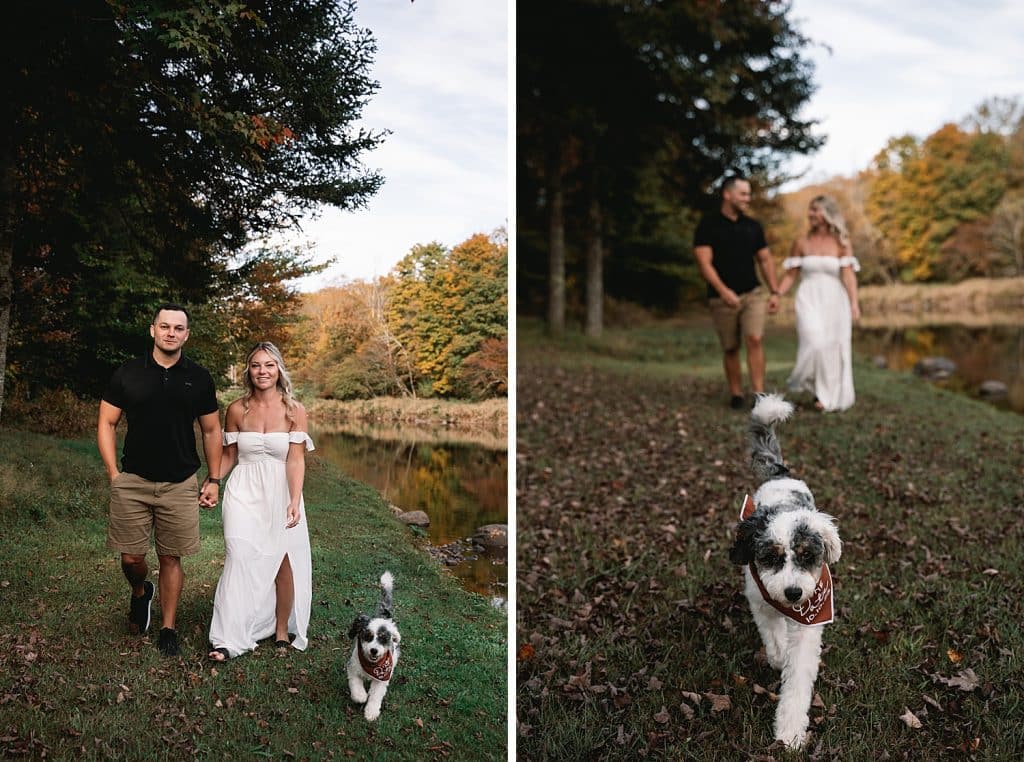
(295, 467)
(232, 422)
(849, 278)
(791, 274)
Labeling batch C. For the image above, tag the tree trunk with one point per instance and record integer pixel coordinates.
(556, 245)
(595, 271)
(6, 266)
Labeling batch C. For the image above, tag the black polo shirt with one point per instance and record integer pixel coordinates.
(734, 246)
(161, 406)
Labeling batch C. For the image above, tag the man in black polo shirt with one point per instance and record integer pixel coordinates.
(161, 394)
(727, 243)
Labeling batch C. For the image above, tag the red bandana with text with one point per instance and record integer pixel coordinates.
(380, 670)
(815, 610)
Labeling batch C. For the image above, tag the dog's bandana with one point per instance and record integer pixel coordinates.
(817, 609)
(380, 670)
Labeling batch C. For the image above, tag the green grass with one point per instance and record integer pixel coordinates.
(631, 623)
(74, 683)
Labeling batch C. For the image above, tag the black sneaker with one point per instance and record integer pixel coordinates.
(736, 402)
(168, 643)
(140, 610)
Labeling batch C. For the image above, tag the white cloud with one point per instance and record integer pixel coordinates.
(443, 72)
(903, 67)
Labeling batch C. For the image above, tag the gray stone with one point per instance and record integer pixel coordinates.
(492, 536)
(416, 518)
(993, 389)
(935, 368)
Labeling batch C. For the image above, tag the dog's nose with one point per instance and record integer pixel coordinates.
(793, 594)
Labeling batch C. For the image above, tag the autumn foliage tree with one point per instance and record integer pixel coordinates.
(436, 325)
(923, 191)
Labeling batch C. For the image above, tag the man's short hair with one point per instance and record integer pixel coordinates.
(730, 181)
(171, 308)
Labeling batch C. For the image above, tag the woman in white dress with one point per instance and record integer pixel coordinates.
(265, 589)
(826, 307)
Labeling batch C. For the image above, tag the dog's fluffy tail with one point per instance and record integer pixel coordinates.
(387, 586)
(765, 453)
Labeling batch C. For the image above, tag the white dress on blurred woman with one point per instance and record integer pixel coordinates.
(256, 542)
(823, 324)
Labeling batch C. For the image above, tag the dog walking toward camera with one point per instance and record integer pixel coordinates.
(374, 652)
(786, 545)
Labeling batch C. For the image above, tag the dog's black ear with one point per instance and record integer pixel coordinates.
(358, 625)
(742, 550)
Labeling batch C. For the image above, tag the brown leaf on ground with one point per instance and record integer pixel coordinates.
(910, 720)
(719, 702)
(662, 717)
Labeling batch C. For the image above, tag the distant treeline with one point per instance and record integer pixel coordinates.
(436, 326)
(933, 210)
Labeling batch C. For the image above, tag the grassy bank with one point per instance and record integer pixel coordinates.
(74, 683)
(633, 636)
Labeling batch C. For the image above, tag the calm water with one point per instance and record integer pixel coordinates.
(460, 487)
(981, 354)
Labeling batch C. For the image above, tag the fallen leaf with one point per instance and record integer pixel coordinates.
(654, 683)
(418, 722)
(687, 710)
(910, 719)
(662, 716)
(954, 656)
(526, 652)
(965, 681)
(719, 703)
(694, 697)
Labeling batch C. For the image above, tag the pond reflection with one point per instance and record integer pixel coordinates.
(993, 353)
(460, 487)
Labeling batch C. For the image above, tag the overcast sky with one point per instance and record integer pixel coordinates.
(903, 66)
(442, 67)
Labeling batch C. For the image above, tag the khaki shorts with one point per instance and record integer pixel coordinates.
(749, 318)
(137, 506)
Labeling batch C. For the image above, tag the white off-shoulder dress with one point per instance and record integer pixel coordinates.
(823, 324)
(256, 541)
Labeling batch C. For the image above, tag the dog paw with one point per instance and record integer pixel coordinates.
(371, 713)
(358, 697)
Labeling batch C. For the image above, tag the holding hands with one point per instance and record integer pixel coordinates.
(209, 494)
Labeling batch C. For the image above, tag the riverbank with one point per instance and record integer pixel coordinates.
(488, 417)
(76, 684)
(975, 302)
(634, 639)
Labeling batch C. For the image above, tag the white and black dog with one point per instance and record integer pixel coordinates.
(374, 652)
(786, 544)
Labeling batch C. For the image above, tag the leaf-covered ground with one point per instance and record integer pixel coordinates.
(633, 636)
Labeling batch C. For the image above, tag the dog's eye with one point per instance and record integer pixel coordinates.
(807, 557)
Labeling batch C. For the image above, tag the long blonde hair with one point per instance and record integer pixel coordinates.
(284, 382)
(834, 220)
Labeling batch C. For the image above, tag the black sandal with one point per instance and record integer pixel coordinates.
(222, 651)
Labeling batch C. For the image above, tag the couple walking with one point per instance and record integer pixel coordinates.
(265, 589)
(728, 244)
